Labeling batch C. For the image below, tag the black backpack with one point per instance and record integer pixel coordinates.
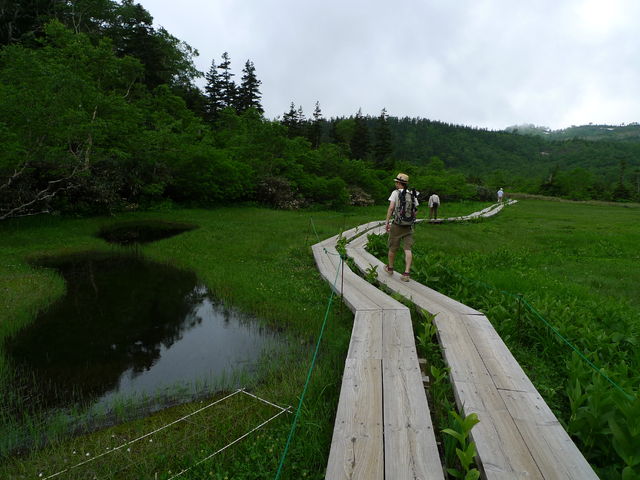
(406, 207)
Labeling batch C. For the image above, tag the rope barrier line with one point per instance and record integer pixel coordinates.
(143, 436)
(313, 225)
(232, 443)
(575, 349)
(548, 324)
(311, 367)
(182, 419)
(266, 401)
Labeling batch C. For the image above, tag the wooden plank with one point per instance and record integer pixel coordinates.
(358, 293)
(410, 447)
(354, 296)
(375, 296)
(366, 336)
(501, 449)
(331, 269)
(458, 350)
(506, 372)
(554, 451)
(398, 341)
(357, 444)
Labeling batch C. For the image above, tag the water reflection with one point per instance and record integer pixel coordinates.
(139, 232)
(128, 325)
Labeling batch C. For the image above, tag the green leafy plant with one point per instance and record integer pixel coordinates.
(341, 246)
(376, 245)
(626, 435)
(465, 450)
(426, 333)
(371, 274)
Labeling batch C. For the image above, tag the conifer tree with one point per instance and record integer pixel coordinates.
(249, 91)
(294, 120)
(315, 132)
(384, 142)
(213, 93)
(360, 141)
(300, 116)
(228, 88)
(289, 118)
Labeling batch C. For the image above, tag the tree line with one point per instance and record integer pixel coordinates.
(99, 112)
(574, 168)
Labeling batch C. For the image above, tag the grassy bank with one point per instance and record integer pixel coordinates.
(258, 261)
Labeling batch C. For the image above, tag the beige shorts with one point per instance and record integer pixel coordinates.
(400, 234)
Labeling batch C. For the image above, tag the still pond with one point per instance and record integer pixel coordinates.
(127, 327)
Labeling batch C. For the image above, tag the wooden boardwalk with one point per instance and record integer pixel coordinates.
(383, 428)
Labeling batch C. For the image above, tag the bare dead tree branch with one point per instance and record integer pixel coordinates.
(16, 174)
(82, 156)
(41, 196)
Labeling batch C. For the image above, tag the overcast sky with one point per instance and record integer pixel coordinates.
(483, 63)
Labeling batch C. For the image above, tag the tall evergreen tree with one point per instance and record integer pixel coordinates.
(249, 92)
(315, 131)
(228, 88)
(289, 118)
(294, 120)
(300, 116)
(214, 94)
(360, 141)
(383, 143)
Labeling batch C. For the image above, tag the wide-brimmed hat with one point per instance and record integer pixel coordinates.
(402, 178)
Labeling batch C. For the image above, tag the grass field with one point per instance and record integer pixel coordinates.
(580, 260)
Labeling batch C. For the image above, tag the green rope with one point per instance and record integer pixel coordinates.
(304, 390)
(580, 354)
(548, 324)
(313, 225)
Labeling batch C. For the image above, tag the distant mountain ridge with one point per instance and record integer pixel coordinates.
(624, 133)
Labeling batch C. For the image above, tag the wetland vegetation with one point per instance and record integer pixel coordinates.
(577, 264)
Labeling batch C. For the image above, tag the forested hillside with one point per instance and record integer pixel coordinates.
(576, 168)
(623, 133)
(99, 112)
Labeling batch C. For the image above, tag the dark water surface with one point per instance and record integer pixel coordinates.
(140, 232)
(131, 326)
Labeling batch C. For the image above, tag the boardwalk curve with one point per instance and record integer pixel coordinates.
(383, 428)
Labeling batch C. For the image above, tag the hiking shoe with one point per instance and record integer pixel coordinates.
(388, 269)
(405, 277)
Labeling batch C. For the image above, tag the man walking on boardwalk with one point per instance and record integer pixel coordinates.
(402, 207)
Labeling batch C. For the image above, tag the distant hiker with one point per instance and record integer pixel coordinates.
(434, 203)
(500, 194)
(403, 204)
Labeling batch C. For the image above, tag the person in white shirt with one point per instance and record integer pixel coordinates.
(399, 233)
(500, 194)
(434, 203)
